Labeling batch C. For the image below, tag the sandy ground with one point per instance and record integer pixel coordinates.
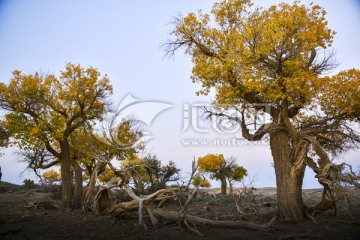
(37, 214)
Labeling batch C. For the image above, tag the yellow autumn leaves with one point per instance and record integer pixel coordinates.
(51, 176)
(43, 104)
(238, 49)
(219, 169)
(339, 95)
(211, 162)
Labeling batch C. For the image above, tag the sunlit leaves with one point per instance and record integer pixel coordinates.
(199, 180)
(339, 95)
(125, 139)
(273, 53)
(135, 167)
(85, 89)
(238, 173)
(42, 107)
(211, 162)
(51, 176)
(106, 175)
(220, 168)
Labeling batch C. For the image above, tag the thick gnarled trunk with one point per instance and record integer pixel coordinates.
(288, 180)
(65, 173)
(78, 185)
(223, 185)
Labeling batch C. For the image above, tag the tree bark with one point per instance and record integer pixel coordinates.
(231, 190)
(102, 201)
(78, 185)
(65, 173)
(288, 180)
(140, 186)
(223, 185)
(90, 187)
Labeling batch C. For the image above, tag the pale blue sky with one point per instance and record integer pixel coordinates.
(123, 39)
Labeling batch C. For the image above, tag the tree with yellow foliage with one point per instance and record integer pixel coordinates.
(43, 111)
(106, 175)
(199, 180)
(273, 62)
(221, 169)
(51, 176)
(135, 169)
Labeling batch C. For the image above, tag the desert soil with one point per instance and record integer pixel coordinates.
(37, 214)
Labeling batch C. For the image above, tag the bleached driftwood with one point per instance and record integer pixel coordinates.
(148, 202)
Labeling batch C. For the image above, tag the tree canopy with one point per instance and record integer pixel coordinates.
(45, 108)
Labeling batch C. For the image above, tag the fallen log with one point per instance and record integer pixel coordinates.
(175, 217)
(121, 208)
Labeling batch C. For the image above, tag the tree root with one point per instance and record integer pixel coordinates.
(311, 217)
(194, 230)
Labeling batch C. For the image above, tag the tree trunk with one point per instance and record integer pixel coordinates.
(78, 185)
(102, 201)
(288, 181)
(65, 173)
(140, 186)
(223, 185)
(231, 190)
(90, 187)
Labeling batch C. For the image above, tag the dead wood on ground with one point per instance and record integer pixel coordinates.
(150, 203)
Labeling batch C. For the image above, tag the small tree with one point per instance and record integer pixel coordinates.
(51, 176)
(237, 174)
(160, 175)
(148, 173)
(221, 169)
(28, 183)
(198, 180)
